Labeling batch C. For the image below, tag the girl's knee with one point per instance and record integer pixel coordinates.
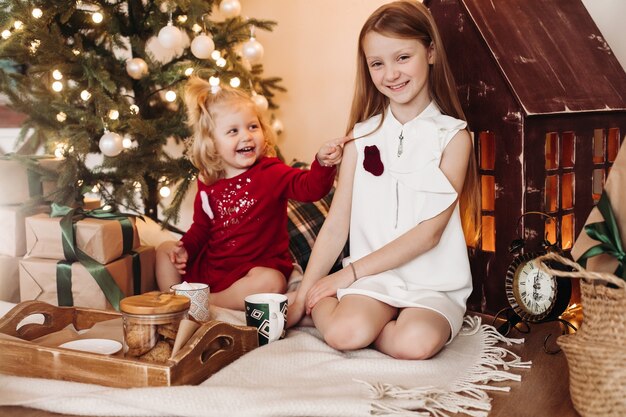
(164, 248)
(348, 333)
(418, 342)
(270, 280)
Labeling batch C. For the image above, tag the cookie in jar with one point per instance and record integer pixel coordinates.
(151, 322)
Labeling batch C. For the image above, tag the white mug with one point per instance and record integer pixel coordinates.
(198, 294)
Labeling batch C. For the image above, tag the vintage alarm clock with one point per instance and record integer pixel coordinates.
(533, 295)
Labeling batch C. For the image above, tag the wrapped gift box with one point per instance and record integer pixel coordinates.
(13, 228)
(9, 279)
(615, 189)
(100, 239)
(38, 280)
(18, 184)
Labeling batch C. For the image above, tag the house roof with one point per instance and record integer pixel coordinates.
(552, 54)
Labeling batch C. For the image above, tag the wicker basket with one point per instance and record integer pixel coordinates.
(596, 354)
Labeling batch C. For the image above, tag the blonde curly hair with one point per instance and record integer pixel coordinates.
(200, 99)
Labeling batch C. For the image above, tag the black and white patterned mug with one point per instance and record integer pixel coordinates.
(268, 313)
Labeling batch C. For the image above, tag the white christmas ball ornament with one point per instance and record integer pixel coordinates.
(230, 8)
(170, 37)
(260, 102)
(136, 68)
(202, 46)
(111, 144)
(278, 126)
(253, 51)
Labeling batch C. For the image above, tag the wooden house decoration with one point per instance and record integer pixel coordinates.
(545, 99)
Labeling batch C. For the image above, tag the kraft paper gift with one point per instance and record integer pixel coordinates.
(9, 279)
(38, 279)
(18, 184)
(100, 239)
(13, 228)
(606, 254)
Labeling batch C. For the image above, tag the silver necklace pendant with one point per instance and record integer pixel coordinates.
(400, 149)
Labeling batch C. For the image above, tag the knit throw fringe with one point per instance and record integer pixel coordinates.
(467, 395)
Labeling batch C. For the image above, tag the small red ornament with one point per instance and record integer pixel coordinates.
(372, 162)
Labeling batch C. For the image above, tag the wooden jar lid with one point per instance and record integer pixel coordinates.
(154, 302)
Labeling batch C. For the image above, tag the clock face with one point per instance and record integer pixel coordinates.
(535, 290)
(531, 292)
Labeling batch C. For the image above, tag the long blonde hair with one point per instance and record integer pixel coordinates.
(410, 19)
(201, 99)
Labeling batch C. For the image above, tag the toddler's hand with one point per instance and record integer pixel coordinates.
(179, 257)
(331, 152)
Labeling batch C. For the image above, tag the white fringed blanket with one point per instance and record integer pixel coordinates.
(302, 376)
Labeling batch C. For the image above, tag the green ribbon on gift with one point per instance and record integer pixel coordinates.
(606, 232)
(73, 253)
(64, 284)
(136, 273)
(35, 188)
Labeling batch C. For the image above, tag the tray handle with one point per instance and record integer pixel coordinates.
(214, 345)
(55, 319)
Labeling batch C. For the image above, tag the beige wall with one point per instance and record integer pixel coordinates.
(313, 48)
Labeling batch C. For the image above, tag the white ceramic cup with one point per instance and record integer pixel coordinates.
(199, 294)
(268, 313)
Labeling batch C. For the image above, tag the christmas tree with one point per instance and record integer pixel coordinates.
(101, 84)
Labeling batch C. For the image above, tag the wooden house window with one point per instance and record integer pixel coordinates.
(606, 144)
(567, 191)
(488, 189)
(487, 147)
(487, 156)
(552, 151)
(552, 193)
(567, 231)
(559, 198)
(612, 146)
(598, 183)
(488, 234)
(568, 150)
(598, 146)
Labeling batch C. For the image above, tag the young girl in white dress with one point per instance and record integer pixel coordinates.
(407, 196)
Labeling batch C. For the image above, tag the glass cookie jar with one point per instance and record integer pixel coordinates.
(151, 323)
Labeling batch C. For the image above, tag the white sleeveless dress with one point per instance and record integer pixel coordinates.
(411, 189)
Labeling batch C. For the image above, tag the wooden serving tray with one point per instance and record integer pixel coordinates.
(213, 346)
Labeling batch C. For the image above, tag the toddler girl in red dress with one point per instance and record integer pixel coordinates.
(238, 241)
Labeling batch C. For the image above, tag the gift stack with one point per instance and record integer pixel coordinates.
(595, 354)
(85, 258)
(19, 185)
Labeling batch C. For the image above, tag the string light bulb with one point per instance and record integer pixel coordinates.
(189, 71)
(85, 95)
(36, 12)
(170, 96)
(6, 34)
(165, 191)
(216, 55)
(221, 62)
(97, 17)
(214, 81)
(58, 151)
(56, 74)
(134, 109)
(61, 117)
(114, 114)
(18, 24)
(127, 142)
(235, 82)
(57, 86)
